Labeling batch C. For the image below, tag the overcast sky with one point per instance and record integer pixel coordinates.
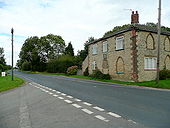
(74, 20)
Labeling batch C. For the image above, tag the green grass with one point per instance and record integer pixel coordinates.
(6, 83)
(165, 84)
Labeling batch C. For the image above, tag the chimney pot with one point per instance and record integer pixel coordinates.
(135, 18)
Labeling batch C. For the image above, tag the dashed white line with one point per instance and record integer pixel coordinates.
(61, 98)
(87, 111)
(88, 104)
(98, 108)
(132, 121)
(77, 100)
(101, 118)
(114, 114)
(50, 93)
(63, 94)
(76, 105)
(58, 92)
(70, 97)
(68, 101)
(55, 95)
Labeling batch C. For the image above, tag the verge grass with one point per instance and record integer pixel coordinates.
(6, 83)
(164, 84)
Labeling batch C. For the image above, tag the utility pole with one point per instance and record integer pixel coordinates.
(159, 32)
(12, 32)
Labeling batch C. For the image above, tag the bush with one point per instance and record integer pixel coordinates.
(1, 68)
(86, 72)
(164, 74)
(60, 64)
(26, 66)
(99, 75)
(72, 70)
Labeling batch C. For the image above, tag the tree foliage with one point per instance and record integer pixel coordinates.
(2, 59)
(69, 50)
(39, 51)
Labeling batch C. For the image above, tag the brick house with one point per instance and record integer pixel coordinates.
(129, 54)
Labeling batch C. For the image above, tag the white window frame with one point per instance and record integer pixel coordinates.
(150, 63)
(105, 46)
(94, 49)
(94, 65)
(120, 43)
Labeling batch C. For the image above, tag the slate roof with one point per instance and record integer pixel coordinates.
(137, 27)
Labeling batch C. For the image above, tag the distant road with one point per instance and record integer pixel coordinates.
(144, 106)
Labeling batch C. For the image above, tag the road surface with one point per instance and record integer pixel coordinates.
(106, 105)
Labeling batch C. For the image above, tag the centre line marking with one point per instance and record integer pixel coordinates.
(63, 94)
(76, 105)
(101, 118)
(70, 97)
(98, 108)
(88, 104)
(114, 114)
(87, 111)
(77, 100)
(60, 98)
(68, 101)
(50, 93)
(55, 95)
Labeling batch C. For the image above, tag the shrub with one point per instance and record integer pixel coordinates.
(1, 67)
(60, 64)
(72, 70)
(164, 74)
(26, 66)
(99, 75)
(86, 72)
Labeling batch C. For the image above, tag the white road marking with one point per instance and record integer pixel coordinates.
(132, 121)
(88, 104)
(76, 105)
(63, 94)
(61, 98)
(101, 118)
(77, 100)
(68, 101)
(55, 95)
(114, 114)
(70, 97)
(50, 93)
(98, 108)
(87, 111)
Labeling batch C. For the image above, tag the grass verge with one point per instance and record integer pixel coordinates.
(164, 84)
(6, 83)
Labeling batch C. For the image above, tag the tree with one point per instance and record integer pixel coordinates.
(69, 50)
(51, 46)
(2, 59)
(83, 53)
(38, 51)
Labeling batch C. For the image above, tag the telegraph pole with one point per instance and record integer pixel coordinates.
(159, 32)
(12, 32)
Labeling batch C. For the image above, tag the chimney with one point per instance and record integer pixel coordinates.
(134, 17)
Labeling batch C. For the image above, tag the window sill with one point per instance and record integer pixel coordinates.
(119, 72)
(119, 49)
(150, 69)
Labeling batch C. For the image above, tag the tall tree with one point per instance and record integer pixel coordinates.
(2, 59)
(69, 50)
(51, 46)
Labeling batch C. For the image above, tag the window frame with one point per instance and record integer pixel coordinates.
(94, 65)
(150, 63)
(120, 46)
(94, 49)
(105, 46)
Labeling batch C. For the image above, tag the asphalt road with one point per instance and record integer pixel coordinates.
(148, 107)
